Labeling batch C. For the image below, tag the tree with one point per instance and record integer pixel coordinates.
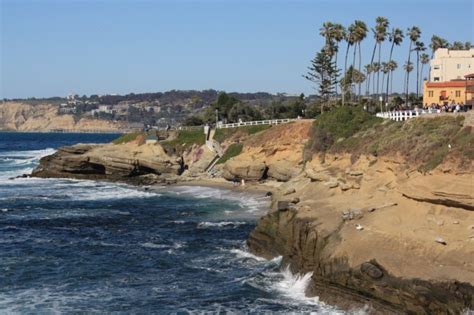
(368, 71)
(467, 45)
(424, 59)
(407, 67)
(351, 78)
(396, 38)
(380, 33)
(437, 42)
(350, 39)
(392, 65)
(413, 33)
(385, 70)
(457, 46)
(360, 35)
(419, 47)
(323, 73)
(338, 34)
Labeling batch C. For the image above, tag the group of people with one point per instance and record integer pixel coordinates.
(448, 108)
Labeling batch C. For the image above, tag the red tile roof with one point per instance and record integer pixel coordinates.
(448, 84)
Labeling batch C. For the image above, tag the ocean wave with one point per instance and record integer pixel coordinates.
(205, 224)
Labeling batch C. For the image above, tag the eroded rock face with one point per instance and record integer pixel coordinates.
(308, 249)
(282, 171)
(247, 170)
(106, 161)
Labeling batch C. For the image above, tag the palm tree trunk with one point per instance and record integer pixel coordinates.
(373, 55)
(378, 72)
(345, 76)
(391, 82)
(335, 68)
(383, 80)
(421, 77)
(408, 76)
(417, 73)
(389, 61)
(360, 68)
(353, 67)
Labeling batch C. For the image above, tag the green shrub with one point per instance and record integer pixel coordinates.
(184, 140)
(233, 150)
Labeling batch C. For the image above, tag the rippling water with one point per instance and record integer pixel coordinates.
(83, 246)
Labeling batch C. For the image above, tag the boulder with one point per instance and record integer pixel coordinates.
(247, 170)
(282, 171)
(283, 205)
(289, 191)
(316, 176)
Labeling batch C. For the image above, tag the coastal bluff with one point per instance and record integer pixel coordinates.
(380, 213)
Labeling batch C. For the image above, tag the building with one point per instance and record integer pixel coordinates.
(448, 65)
(447, 93)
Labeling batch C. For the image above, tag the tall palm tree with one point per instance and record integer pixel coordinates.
(385, 70)
(392, 65)
(375, 67)
(380, 33)
(414, 34)
(396, 38)
(424, 58)
(360, 34)
(419, 47)
(407, 67)
(350, 39)
(326, 30)
(338, 33)
(368, 70)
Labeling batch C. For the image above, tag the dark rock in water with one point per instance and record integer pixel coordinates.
(269, 194)
(371, 270)
(20, 176)
(283, 205)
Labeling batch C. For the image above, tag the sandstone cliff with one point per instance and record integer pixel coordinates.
(383, 217)
(16, 116)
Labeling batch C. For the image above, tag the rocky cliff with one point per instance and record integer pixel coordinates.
(15, 116)
(383, 217)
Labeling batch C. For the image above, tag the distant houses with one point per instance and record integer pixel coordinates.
(451, 78)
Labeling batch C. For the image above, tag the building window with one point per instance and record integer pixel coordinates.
(436, 67)
(458, 93)
(436, 79)
(430, 93)
(459, 66)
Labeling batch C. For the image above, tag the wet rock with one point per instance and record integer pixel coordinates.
(268, 194)
(371, 270)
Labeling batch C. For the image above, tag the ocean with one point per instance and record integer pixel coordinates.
(78, 246)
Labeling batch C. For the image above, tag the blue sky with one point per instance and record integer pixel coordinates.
(52, 48)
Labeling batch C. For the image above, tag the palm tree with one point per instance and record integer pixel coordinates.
(380, 33)
(419, 47)
(393, 65)
(350, 39)
(407, 67)
(325, 31)
(385, 70)
(457, 46)
(396, 38)
(437, 42)
(424, 58)
(338, 33)
(368, 70)
(413, 33)
(375, 68)
(360, 34)
(467, 45)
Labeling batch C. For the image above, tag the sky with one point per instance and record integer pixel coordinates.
(54, 48)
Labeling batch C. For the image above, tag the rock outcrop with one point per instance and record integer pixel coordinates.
(108, 161)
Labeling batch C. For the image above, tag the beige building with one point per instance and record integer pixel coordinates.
(450, 65)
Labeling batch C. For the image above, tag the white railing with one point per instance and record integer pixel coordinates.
(255, 123)
(400, 115)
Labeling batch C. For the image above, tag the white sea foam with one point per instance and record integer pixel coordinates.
(251, 203)
(245, 254)
(203, 225)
